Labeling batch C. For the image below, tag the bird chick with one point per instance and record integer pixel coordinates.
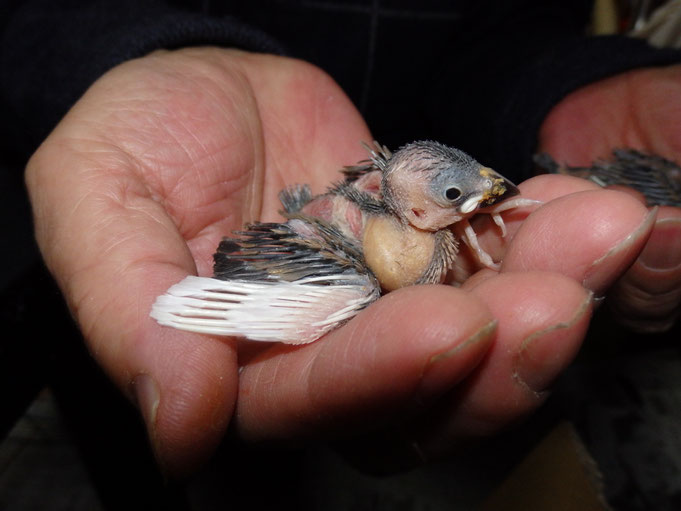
(428, 187)
(385, 226)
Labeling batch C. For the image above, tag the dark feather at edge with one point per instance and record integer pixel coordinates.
(275, 252)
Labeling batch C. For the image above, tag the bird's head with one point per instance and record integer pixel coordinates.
(432, 186)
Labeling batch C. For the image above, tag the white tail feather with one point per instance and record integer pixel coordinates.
(291, 312)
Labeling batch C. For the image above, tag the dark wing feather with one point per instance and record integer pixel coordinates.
(294, 198)
(354, 172)
(301, 248)
(657, 178)
(289, 282)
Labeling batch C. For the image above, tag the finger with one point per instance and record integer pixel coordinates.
(547, 187)
(389, 362)
(544, 188)
(185, 385)
(648, 297)
(543, 318)
(590, 236)
(631, 191)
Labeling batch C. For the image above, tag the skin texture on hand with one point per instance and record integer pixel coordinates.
(642, 110)
(133, 190)
(166, 154)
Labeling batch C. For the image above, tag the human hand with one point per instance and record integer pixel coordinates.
(640, 109)
(166, 154)
(133, 190)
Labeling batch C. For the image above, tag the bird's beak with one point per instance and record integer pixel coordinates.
(499, 190)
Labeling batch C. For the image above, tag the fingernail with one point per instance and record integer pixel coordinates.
(148, 397)
(437, 375)
(596, 280)
(666, 235)
(539, 362)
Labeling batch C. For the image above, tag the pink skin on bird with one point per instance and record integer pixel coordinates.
(397, 253)
(343, 213)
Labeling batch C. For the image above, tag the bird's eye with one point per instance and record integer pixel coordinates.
(452, 193)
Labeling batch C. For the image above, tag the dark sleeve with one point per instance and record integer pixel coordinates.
(511, 73)
(52, 50)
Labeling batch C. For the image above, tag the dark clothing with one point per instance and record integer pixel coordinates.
(475, 74)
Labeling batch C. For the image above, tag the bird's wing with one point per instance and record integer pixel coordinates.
(657, 178)
(291, 312)
(288, 283)
(302, 247)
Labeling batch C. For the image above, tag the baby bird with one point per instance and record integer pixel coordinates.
(386, 226)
